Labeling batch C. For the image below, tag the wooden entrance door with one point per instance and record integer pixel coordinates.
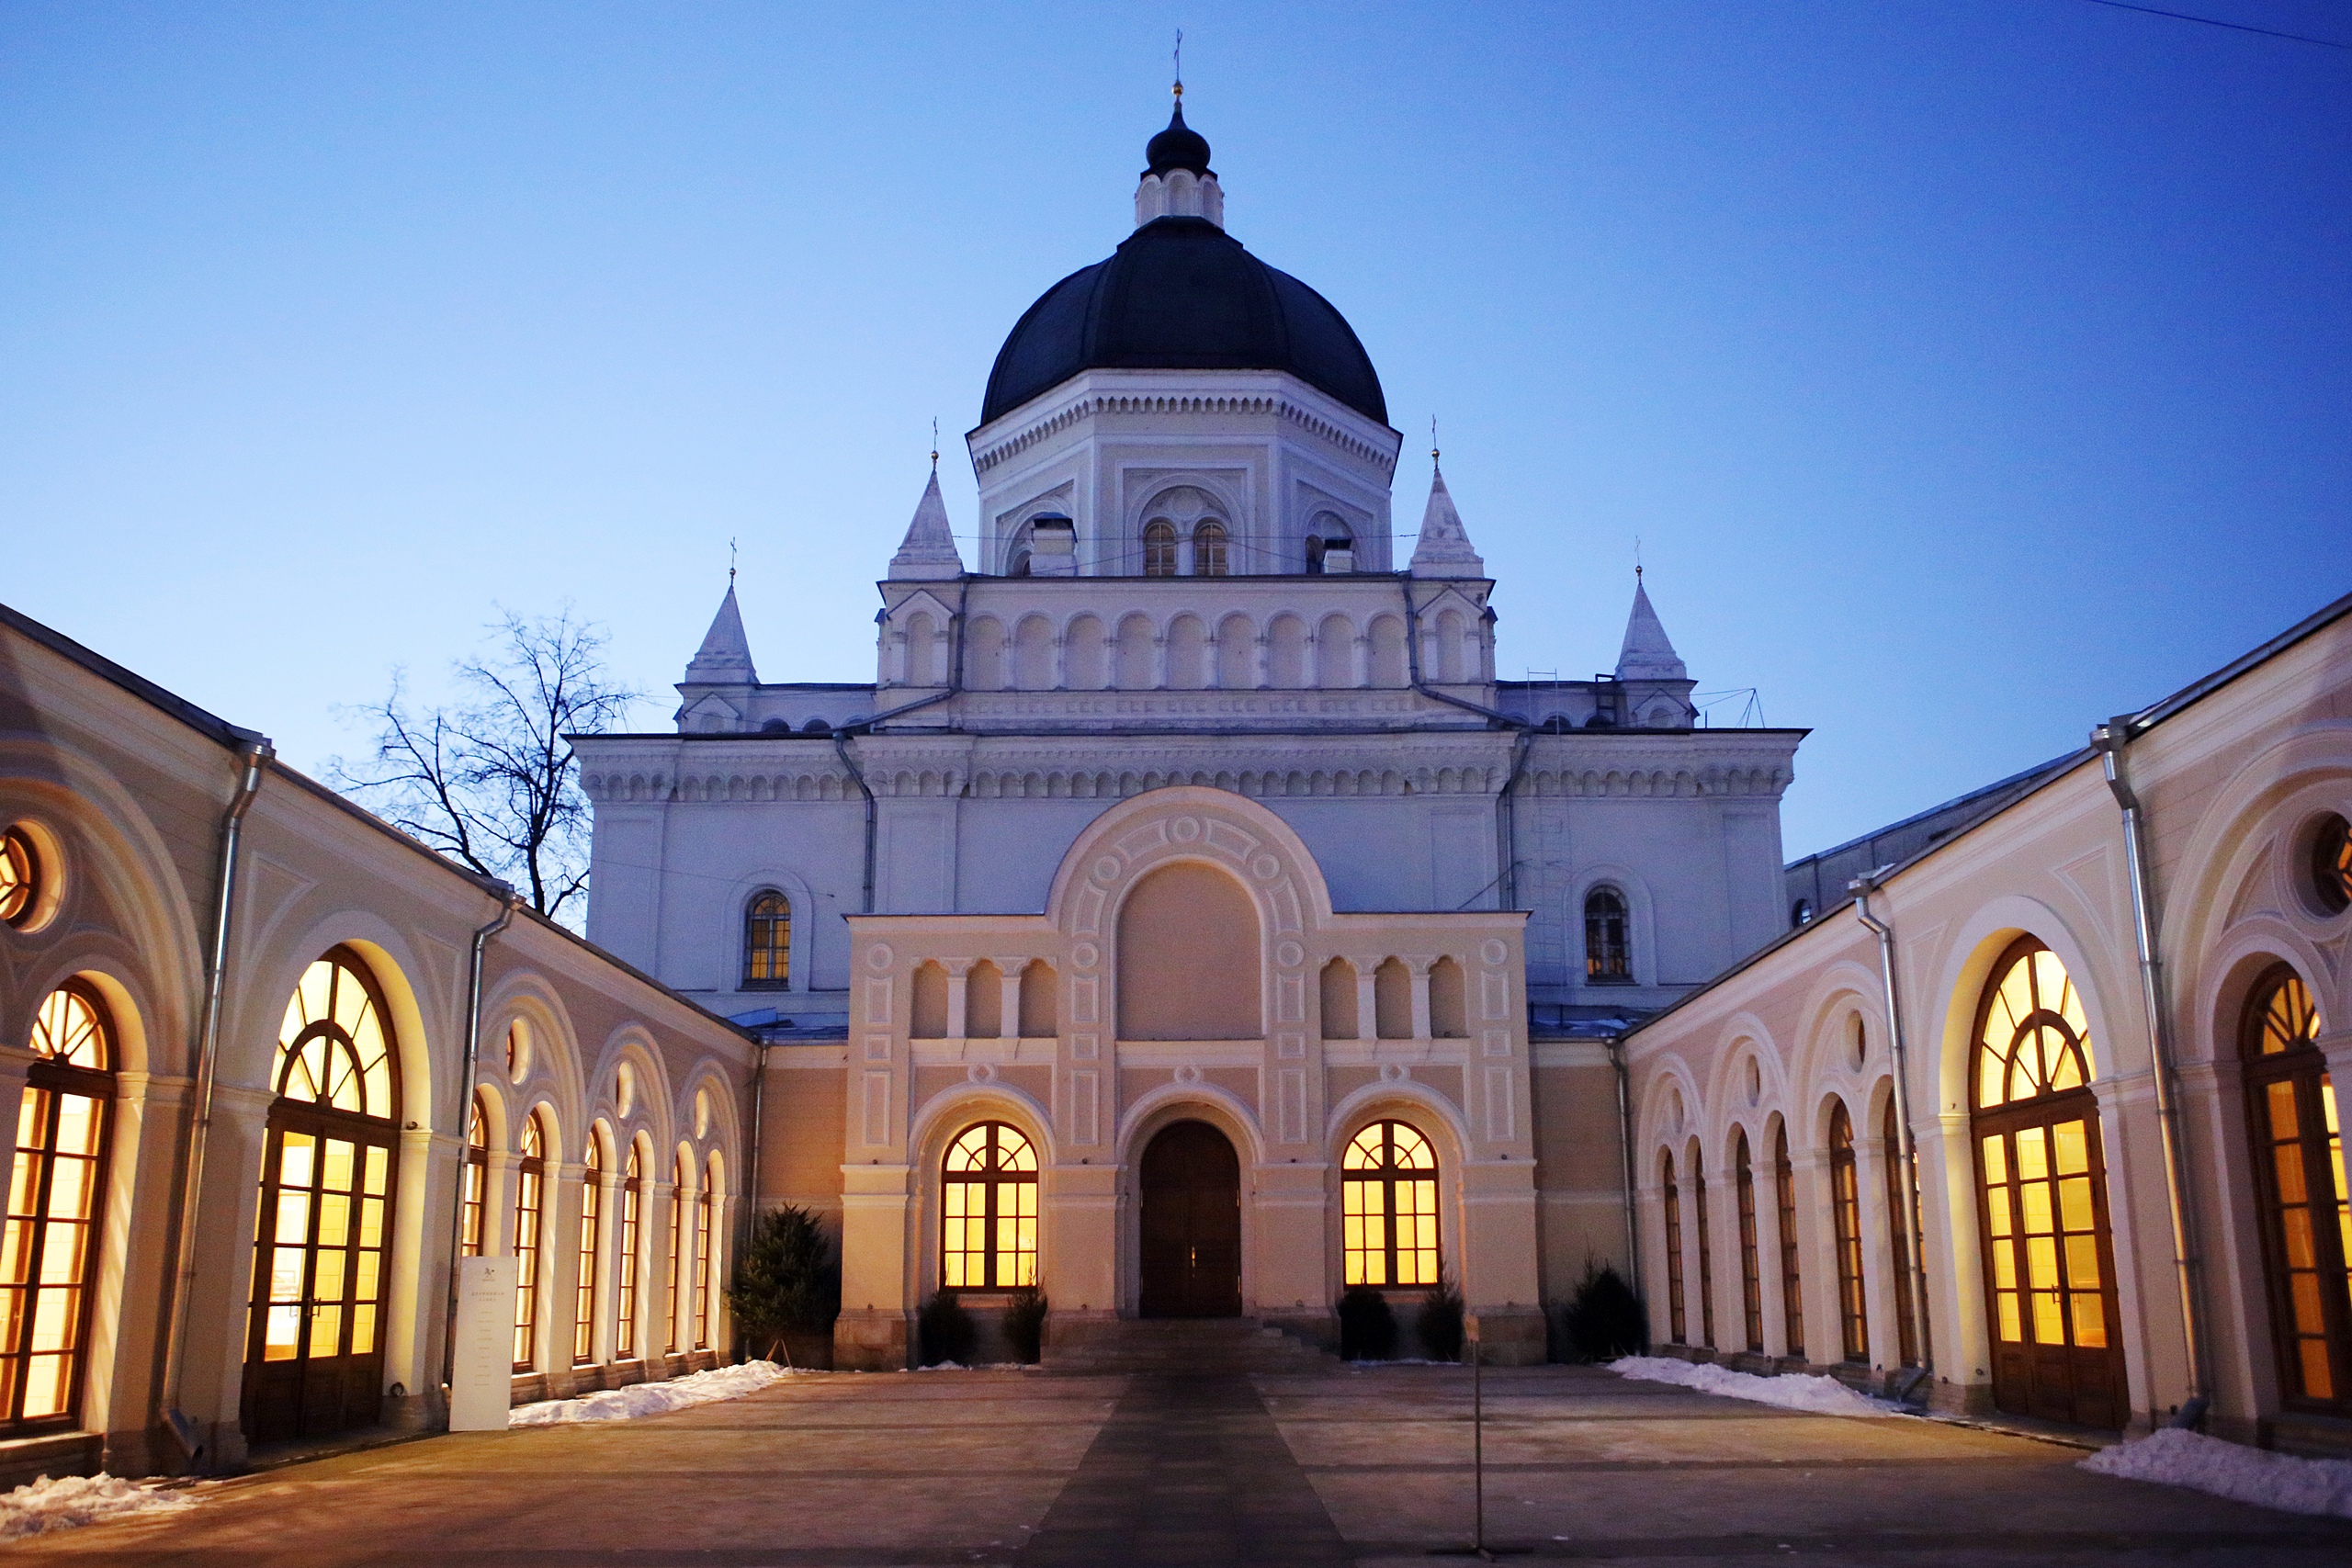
(314, 1357)
(1192, 1223)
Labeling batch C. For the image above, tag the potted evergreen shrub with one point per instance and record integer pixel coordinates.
(787, 1288)
(1367, 1328)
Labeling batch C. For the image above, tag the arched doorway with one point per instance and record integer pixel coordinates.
(2042, 1184)
(315, 1351)
(1191, 1242)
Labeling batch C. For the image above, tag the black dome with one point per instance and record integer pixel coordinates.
(1182, 294)
(1178, 147)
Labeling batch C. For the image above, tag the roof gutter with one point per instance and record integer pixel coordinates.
(2111, 741)
(1915, 1281)
(255, 754)
(866, 726)
(1625, 1147)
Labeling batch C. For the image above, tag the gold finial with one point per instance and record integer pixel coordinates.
(1433, 462)
(1637, 561)
(730, 566)
(1180, 67)
(934, 444)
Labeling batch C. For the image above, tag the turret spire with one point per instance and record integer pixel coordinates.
(1444, 547)
(1647, 654)
(725, 657)
(928, 553)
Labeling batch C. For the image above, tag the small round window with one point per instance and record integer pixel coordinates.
(28, 872)
(2330, 865)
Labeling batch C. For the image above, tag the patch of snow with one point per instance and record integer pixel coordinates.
(651, 1398)
(1817, 1395)
(44, 1504)
(2268, 1480)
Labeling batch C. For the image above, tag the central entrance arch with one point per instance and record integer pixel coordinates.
(1190, 1235)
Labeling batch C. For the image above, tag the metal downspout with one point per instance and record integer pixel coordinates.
(512, 901)
(1508, 817)
(255, 754)
(2111, 739)
(1625, 1147)
(841, 736)
(1915, 1284)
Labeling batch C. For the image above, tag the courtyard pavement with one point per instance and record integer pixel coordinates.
(1339, 1467)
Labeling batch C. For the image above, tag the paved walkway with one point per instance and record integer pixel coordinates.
(1372, 1468)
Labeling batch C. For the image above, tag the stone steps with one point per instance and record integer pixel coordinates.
(1179, 1346)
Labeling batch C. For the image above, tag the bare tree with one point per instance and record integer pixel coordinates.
(490, 782)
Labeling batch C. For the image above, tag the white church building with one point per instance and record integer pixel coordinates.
(1191, 801)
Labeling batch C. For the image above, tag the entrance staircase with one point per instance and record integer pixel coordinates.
(1179, 1346)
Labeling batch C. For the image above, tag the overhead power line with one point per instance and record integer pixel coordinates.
(2217, 22)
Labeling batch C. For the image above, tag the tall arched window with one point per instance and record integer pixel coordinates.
(53, 1208)
(632, 1217)
(988, 1201)
(1906, 1332)
(584, 1299)
(1706, 1251)
(1389, 1191)
(314, 1355)
(1751, 1269)
(1158, 549)
(2049, 1268)
(679, 1182)
(1678, 1321)
(530, 1191)
(1208, 549)
(20, 874)
(1785, 1187)
(1845, 1226)
(705, 1265)
(469, 1216)
(1607, 951)
(767, 943)
(2300, 1179)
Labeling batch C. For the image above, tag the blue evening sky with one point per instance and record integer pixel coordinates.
(1968, 369)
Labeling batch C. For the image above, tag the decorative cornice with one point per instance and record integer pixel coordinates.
(1088, 406)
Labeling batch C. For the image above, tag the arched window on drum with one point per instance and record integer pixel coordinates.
(987, 1201)
(1388, 1207)
(2049, 1264)
(314, 1353)
(2300, 1181)
(54, 1209)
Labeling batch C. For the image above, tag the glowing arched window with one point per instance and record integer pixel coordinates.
(632, 1219)
(331, 1047)
(2300, 1177)
(705, 1266)
(53, 1201)
(1784, 1185)
(680, 1180)
(2034, 1039)
(767, 943)
(1158, 549)
(988, 1202)
(1208, 550)
(1846, 1226)
(592, 1209)
(530, 1187)
(1678, 1323)
(477, 1182)
(1388, 1208)
(1608, 950)
(20, 874)
(1751, 1269)
(314, 1355)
